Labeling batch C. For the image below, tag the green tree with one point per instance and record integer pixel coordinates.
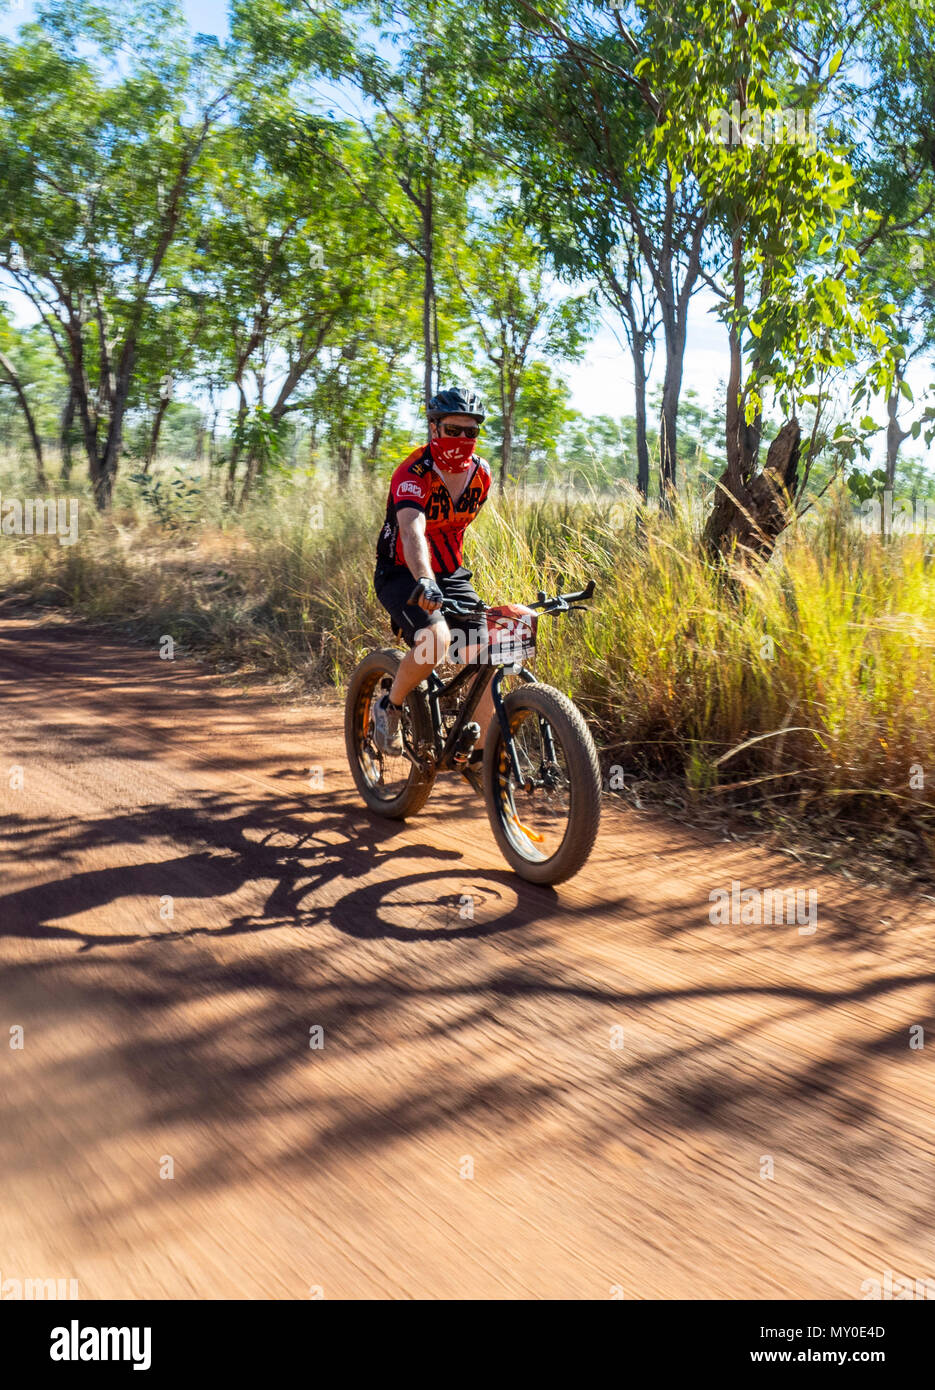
(515, 316)
(540, 416)
(778, 200)
(284, 260)
(30, 384)
(608, 204)
(410, 66)
(893, 160)
(99, 165)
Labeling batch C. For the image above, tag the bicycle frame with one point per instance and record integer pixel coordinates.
(480, 678)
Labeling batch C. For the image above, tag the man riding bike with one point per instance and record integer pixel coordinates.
(434, 496)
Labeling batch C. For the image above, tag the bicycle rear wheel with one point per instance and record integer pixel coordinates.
(545, 829)
(390, 784)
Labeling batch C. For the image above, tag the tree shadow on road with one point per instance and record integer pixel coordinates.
(336, 923)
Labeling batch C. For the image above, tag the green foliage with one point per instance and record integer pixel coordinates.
(810, 683)
(173, 499)
(291, 219)
(260, 437)
(864, 485)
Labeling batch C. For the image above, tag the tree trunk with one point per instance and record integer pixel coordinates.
(17, 385)
(895, 434)
(510, 369)
(105, 473)
(752, 509)
(213, 433)
(668, 436)
(154, 435)
(642, 443)
(636, 320)
(104, 465)
(373, 448)
(506, 447)
(675, 331)
(345, 459)
(428, 291)
(673, 304)
(229, 490)
(65, 428)
(253, 466)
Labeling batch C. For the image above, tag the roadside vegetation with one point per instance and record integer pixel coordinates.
(804, 689)
(234, 267)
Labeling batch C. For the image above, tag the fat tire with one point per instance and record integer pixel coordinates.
(584, 783)
(419, 785)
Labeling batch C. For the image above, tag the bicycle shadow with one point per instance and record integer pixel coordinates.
(269, 842)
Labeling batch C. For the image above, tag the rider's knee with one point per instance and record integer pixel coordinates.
(432, 641)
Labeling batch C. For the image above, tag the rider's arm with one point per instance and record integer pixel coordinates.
(415, 549)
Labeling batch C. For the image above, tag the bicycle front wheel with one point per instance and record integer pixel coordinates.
(545, 828)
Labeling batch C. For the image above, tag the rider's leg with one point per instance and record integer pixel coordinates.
(483, 714)
(469, 647)
(429, 649)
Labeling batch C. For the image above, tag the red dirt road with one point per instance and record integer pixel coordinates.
(618, 1074)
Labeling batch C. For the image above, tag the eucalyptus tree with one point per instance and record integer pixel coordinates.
(26, 374)
(541, 414)
(106, 113)
(744, 87)
(890, 124)
(902, 269)
(608, 205)
(165, 360)
(365, 386)
(412, 68)
(515, 316)
(292, 261)
(359, 392)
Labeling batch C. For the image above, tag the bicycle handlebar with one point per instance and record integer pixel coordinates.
(561, 603)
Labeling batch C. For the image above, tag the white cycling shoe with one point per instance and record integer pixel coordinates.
(387, 733)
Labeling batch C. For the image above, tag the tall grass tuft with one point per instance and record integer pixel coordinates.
(811, 680)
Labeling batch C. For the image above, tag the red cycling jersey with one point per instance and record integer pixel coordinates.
(417, 484)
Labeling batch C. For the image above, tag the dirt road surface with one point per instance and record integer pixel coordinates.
(585, 1092)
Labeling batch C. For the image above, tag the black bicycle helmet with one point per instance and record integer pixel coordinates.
(457, 401)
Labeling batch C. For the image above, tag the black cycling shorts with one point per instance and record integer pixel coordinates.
(394, 584)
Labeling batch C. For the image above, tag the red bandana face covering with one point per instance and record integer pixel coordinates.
(452, 455)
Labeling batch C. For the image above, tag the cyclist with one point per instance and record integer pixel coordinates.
(434, 496)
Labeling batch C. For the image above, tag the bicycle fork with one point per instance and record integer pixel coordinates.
(545, 730)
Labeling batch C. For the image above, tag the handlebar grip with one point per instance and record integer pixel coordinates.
(586, 593)
(414, 596)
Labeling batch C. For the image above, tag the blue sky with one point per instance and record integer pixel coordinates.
(205, 16)
(603, 382)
